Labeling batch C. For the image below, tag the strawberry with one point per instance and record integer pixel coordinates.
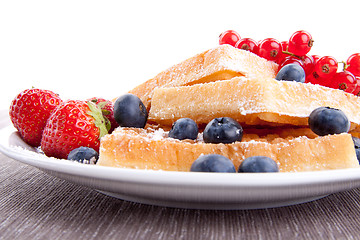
(29, 112)
(107, 108)
(73, 124)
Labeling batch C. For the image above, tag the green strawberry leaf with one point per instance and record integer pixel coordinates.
(107, 123)
(100, 122)
(102, 104)
(106, 112)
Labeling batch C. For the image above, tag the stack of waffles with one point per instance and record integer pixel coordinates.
(229, 82)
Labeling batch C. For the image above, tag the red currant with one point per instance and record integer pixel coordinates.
(357, 87)
(311, 79)
(291, 59)
(316, 58)
(345, 81)
(270, 49)
(229, 37)
(353, 63)
(284, 45)
(325, 67)
(308, 61)
(300, 43)
(248, 44)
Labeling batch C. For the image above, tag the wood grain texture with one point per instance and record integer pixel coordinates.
(34, 205)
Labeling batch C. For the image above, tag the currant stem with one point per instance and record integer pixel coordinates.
(293, 55)
(345, 66)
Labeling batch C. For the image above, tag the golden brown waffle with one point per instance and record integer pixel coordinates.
(152, 149)
(257, 101)
(223, 62)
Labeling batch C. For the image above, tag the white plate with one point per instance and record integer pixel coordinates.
(188, 189)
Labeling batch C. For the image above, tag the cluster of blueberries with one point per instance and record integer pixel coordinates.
(220, 130)
(322, 121)
(129, 111)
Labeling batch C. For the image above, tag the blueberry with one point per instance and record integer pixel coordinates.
(213, 163)
(356, 142)
(84, 155)
(129, 111)
(258, 164)
(184, 128)
(357, 151)
(326, 120)
(223, 130)
(357, 147)
(291, 72)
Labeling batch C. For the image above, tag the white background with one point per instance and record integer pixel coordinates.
(81, 49)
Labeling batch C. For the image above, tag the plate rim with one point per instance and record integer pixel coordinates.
(174, 177)
(189, 190)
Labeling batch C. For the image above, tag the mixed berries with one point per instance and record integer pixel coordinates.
(107, 109)
(73, 124)
(72, 129)
(322, 70)
(58, 127)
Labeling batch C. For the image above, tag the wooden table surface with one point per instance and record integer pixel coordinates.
(35, 205)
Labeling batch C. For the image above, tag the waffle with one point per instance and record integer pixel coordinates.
(254, 102)
(228, 82)
(221, 63)
(151, 149)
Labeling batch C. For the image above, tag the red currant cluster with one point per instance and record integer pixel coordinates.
(325, 72)
(318, 70)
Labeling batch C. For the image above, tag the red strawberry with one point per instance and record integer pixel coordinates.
(29, 112)
(73, 124)
(107, 108)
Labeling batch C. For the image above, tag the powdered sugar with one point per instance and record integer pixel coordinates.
(157, 135)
